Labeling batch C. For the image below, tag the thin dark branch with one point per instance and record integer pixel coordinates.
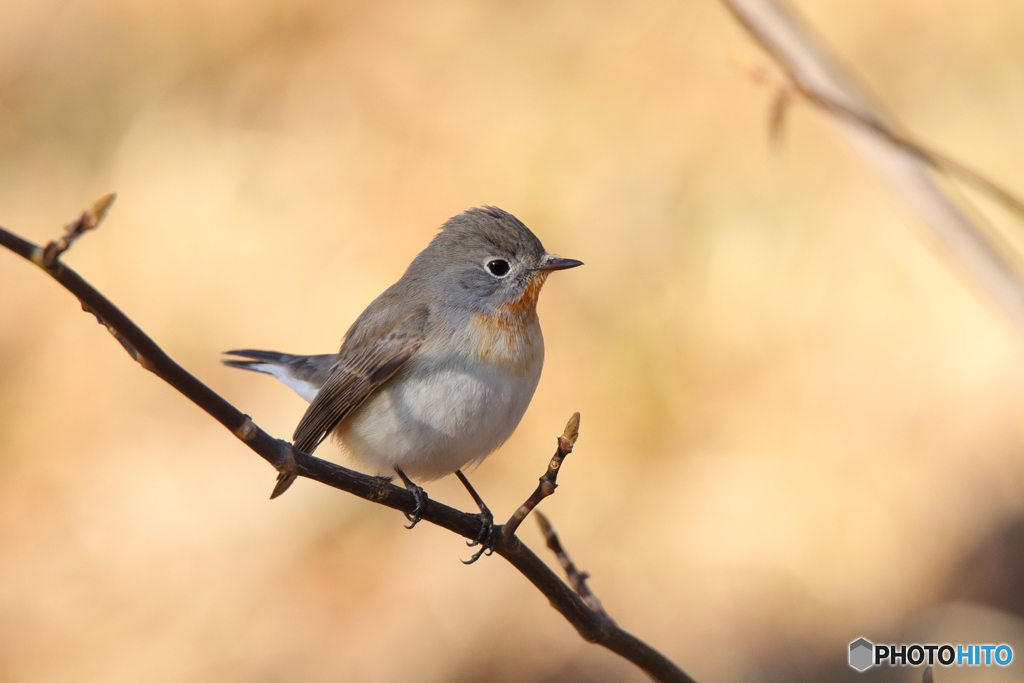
(577, 579)
(290, 462)
(549, 480)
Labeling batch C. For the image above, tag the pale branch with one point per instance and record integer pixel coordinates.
(549, 480)
(904, 165)
(592, 626)
(577, 579)
(793, 85)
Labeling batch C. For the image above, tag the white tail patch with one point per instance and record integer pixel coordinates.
(304, 389)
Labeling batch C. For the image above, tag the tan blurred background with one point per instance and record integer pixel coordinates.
(799, 427)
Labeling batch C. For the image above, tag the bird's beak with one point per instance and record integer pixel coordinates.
(551, 263)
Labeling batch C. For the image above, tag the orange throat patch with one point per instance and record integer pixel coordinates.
(511, 332)
(523, 310)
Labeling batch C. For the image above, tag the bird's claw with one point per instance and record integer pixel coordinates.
(418, 494)
(421, 504)
(487, 539)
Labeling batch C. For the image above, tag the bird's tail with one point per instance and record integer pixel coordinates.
(304, 374)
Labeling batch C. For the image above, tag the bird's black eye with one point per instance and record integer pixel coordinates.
(498, 267)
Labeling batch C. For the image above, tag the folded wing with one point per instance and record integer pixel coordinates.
(364, 363)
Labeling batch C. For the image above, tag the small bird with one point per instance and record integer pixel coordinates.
(438, 370)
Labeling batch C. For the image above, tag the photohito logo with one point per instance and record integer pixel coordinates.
(864, 654)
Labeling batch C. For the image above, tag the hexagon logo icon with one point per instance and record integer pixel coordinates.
(862, 654)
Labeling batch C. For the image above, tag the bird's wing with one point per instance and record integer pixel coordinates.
(368, 357)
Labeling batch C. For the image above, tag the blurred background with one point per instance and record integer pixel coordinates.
(799, 425)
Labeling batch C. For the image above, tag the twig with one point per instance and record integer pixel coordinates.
(927, 676)
(777, 117)
(577, 579)
(549, 480)
(89, 220)
(590, 625)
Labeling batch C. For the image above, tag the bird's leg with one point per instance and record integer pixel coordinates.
(419, 494)
(487, 538)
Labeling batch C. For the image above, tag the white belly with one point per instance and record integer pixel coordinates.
(440, 414)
